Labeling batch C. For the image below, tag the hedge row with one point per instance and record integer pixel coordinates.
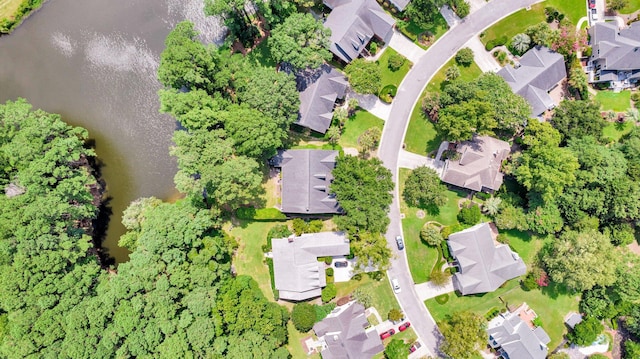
(502, 40)
(276, 293)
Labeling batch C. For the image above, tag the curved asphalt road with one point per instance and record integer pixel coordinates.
(391, 144)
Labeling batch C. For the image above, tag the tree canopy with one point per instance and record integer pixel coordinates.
(576, 119)
(464, 333)
(300, 40)
(364, 76)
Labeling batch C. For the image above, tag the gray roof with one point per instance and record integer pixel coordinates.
(516, 338)
(353, 24)
(306, 176)
(572, 319)
(478, 168)
(319, 90)
(297, 273)
(344, 334)
(400, 4)
(540, 71)
(613, 49)
(483, 266)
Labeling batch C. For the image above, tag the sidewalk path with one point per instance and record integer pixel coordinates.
(412, 161)
(429, 290)
(405, 47)
(484, 59)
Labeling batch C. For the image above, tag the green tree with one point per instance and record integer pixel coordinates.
(303, 316)
(439, 277)
(133, 218)
(300, 40)
(328, 293)
(364, 76)
(470, 214)
(424, 12)
(585, 332)
(369, 140)
(578, 80)
(581, 260)
(460, 121)
(521, 43)
(396, 349)
(194, 109)
(492, 205)
(631, 349)
(464, 57)
(464, 333)
(255, 135)
(511, 217)
(423, 188)
(431, 235)
(333, 134)
(617, 4)
(576, 119)
(185, 62)
(395, 315)
(452, 73)
(363, 296)
(540, 34)
(431, 105)
(236, 18)
(396, 61)
(371, 249)
(363, 189)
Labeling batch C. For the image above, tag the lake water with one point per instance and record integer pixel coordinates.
(94, 62)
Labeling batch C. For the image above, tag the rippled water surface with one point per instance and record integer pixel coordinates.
(94, 62)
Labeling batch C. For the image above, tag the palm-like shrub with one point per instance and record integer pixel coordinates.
(521, 43)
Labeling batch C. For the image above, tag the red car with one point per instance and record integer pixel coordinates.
(592, 4)
(404, 326)
(387, 334)
(414, 347)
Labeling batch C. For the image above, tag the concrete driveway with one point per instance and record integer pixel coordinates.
(483, 58)
(405, 47)
(429, 290)
(408, 95)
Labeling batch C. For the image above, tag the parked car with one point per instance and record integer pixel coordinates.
(387, 334)
(414, 347)
(592, 4)
(399, 242)
(341, 264)
(594, 14)
(404, 326)
(396, 285)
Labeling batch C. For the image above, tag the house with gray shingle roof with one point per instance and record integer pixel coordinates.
(513, 338)
(297, 273)
(305, 179)
(343, 334)
(539, 71)
(319, 89)
(615, 55)
(478, 168)
(353, 24)
(483, 265)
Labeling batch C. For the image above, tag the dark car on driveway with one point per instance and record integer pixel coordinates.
(341, 264)
(414, 347)
(387, 334)
(404, 326)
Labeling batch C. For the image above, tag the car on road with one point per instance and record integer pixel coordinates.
(396, 285)
(404, 326)
(341, 264)
(594, 14)
(592, 4)
(415, 347)
(399, 242)
(387, 334)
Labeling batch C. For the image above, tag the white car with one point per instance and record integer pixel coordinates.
(594, 14)
(396, 285)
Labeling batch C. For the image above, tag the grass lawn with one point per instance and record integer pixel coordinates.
(420, 256)
(550, 304)
(520, 20)
(610, 100)
(422, 137)
(356, 125)
(249, 257)
(525, 245)
(632, 6)
(383, 298)
(392, 77)
(8, 8)
(615, 130)
(294, 346)
(437, 28)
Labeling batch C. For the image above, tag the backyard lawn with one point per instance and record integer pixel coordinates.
(550, 304)
(392, 77)
(294, 345)
(420, 256)
(421, 136)
(520, 20)
(383, 298)
(356, 126)
(611, 101)
(632, 6)
(615, 130)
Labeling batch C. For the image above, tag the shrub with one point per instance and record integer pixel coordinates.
(529, 282)
(396, 61)
(373, 48)
(446, 231)
(303, 316)
(430, 234)
(585, 332)
(464, 57)
(442, 298)
(482, 195)
(439, 277)
(326, 260)
(329, 292)
(329, 272)
(587, 52)
(262, 214)
(537, 321)
(300, 226)
(395, 315)
(470, 215)
(445, 251)
(490, 45)
(279, 231)
(503, 238)
(453, 270)
(315, 226)
(276, 293)
(387, 93)
(363, 296)
(492, 313)
(323, 310)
